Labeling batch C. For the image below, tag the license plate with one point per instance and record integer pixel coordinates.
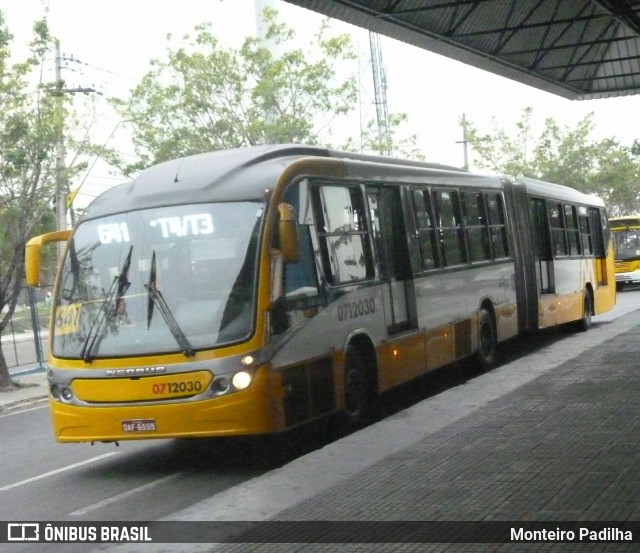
(139, 425)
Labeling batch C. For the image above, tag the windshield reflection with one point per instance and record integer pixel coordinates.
(204, 269)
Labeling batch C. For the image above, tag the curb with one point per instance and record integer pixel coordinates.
(21, 404)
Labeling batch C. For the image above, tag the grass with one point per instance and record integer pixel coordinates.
(21, 320)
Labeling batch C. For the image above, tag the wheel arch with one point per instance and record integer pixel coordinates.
(364, 344)
(487, 304)
(486, 356)
(589, 289)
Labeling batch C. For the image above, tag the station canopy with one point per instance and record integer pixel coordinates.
(578, 49)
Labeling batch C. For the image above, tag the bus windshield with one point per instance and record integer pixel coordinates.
(626, 243)
(162, 280)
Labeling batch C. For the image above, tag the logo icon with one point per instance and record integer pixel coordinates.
(23, 531)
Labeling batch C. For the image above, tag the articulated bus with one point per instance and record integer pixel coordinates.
(250, 291)
(626, 246)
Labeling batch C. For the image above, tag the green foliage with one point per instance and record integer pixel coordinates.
(31, 124)
(390, 143)
(206, 97)
(501, 152)
(566, 156)
(617, 179)
(22, 321)
(29, 128)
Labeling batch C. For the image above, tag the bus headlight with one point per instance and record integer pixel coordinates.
(227, 384)
(241, 380)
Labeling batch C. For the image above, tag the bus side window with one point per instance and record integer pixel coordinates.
(497, 225)
(541, 242)
(585, 231)
(573, 233)
(300, 278)
(558, 236)
(476, 227)
(600, 230)
(448, 218)
(426, 229)
(341, 222)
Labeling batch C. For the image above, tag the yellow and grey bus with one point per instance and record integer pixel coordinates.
(253, 290)
(626, 245)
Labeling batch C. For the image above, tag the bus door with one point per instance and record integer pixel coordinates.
(543, 260)
(390, 237)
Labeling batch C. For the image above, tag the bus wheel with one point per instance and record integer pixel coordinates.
(358, 394)
(487, 339)
(584, 324)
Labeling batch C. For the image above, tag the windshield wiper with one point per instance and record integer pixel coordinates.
(156, 298)
(107, 312)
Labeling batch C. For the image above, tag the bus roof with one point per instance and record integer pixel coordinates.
(246, 174)
(625, 222)
(228, 175)
(559, 192)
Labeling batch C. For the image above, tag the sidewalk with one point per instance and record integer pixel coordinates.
(32, 391)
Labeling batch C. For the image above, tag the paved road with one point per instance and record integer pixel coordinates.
(169, 479)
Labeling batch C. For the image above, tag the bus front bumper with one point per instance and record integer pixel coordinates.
(632, 277)
(237, 414)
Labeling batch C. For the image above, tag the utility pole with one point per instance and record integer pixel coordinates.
(465, 143)
(62, 182)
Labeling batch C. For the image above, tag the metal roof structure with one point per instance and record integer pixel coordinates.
(578, 49)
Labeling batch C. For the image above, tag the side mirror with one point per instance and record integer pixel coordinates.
(32, 254)
(288, 231)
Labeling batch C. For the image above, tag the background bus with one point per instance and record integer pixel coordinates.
(626, 244)
(251, 291)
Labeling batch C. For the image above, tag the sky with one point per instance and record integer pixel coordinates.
(109, 44)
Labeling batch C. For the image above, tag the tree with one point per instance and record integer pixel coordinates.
(566, 156)
(617, 180)
(30, 127)
(390, 142)
(501, 152)
(205, 97)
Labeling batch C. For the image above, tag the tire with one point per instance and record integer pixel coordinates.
(487, 339)
(584, 323)
(360, 398)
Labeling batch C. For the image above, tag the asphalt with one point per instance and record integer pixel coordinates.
(553, 436)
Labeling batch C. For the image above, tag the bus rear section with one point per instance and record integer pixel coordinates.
(570, 266)
(626, 242)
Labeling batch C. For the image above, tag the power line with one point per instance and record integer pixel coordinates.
(85, 64)
(62, 182)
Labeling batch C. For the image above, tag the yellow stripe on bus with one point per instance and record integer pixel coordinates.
(141, 389)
